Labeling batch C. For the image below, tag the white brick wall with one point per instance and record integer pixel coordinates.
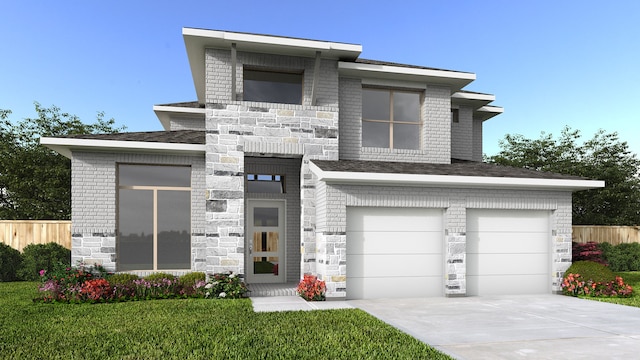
(462, 140)
(436, 129)
(186, 123)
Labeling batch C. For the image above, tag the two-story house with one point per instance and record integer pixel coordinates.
(300, 157)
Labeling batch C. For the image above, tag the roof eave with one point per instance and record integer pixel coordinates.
(487, 112)
(364, 178)
(164, 113)
(453, 79)
(65, 146)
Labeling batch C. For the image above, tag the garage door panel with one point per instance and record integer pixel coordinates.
(499, 242)
(393, 219)
(508, 252)
(512, 284)
(399, 265)
(393, 287)
(394, 242)
(492, 264)
(507, 221)
(394, 252)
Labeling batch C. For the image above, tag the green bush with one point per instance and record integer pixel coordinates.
(10, 260)
(190, 279)
(122, 279)
(36, 257)
(622, 257)
(159, 276)
(590, 270)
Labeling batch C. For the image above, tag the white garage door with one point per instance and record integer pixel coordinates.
(394, 252)
(508, 252)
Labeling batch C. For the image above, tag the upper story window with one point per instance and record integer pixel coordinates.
(390, 119)
(272, 86)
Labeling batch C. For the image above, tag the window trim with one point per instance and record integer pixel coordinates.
(155, 189)
(275, 71)
(391, 121)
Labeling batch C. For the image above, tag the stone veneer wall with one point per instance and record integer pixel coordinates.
(94, 204)
(235, 129)
(331, 226)
(435, 136)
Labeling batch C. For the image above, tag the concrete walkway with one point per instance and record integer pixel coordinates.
(294, 303)
(515, 327)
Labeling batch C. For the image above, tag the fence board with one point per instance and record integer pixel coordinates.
(20, 233)
(613, 235)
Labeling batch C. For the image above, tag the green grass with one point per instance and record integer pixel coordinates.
(632, 278)
(191, 329)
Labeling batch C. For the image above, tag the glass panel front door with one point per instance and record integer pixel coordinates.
(266, 241)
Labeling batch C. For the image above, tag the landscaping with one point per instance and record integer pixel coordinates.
(191, 329)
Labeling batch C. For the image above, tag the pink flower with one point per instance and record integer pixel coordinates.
(42, 272)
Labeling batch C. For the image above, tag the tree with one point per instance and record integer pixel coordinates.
(603, 157)
(35, 182)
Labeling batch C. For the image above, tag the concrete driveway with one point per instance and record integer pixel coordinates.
(515, 327)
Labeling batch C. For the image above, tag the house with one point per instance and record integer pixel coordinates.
(300, 157)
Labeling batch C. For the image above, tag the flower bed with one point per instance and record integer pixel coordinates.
(575, 285)
(94, 285)
(311, 289)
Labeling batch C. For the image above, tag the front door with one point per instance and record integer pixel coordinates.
(265, 241)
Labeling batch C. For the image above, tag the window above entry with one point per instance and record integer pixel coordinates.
(391, 119)
(272, 86)
(259, 183)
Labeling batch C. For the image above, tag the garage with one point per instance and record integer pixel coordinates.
(394, 252)
(508, 252)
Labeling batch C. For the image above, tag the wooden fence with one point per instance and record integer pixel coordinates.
(20, 233)
(613, 235)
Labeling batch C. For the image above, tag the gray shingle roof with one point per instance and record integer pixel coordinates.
(456, 168)
(172, 137)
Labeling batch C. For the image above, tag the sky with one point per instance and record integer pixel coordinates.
(550, 64)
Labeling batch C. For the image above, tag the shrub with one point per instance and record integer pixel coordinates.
(227, 285)
(159, 276)
(10, 260)
(590, 270)
(36, 257)
(311, 289)
(193, 284)
(589, 251)
(190, 279)
(622, 257)
(122, 279)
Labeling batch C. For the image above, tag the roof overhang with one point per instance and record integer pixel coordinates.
(164, 113)
(474, 100)
(197, 40)
(65, 146)
(487, 112)
(364, 178)
(453, 79)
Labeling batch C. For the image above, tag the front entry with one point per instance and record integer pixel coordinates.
(265, 241)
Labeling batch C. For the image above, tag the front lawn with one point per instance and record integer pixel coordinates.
(632, 278)
(191, 329)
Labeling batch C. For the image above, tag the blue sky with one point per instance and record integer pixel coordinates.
(549, 63)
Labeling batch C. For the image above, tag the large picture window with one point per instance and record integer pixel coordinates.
(154, 217)
(272, 86)
(390, 119)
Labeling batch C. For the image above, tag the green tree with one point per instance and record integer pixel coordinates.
(603, 157)
(35, 182)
